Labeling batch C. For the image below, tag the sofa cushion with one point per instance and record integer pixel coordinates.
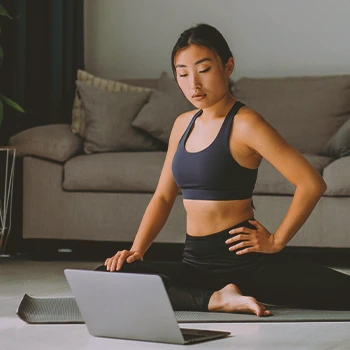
(108, 120)
(157, 117)
(306, 111)
(271, 181)
(78, 114)
(55, 142)
(140, 171)
(339, 145)
(117, 171)
(337, 177)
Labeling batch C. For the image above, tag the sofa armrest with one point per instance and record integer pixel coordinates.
(54, 142)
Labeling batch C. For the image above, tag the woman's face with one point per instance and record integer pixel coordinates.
(200, 71)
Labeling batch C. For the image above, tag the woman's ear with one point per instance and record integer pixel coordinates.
(230, 66)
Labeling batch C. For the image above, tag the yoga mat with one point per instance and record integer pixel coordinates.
(65, 310)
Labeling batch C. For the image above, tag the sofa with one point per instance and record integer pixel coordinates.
(82, 184)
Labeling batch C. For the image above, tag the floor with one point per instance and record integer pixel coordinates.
(46, 279)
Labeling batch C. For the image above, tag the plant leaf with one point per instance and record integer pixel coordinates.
(11, 103)
(1, 111)
(4, 13)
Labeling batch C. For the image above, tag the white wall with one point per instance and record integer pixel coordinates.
(134, 38)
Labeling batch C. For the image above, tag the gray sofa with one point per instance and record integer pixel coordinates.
(102, 196)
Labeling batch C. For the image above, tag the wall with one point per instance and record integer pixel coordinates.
(134, 38)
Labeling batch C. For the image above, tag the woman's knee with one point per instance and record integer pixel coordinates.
(101, 268)
(126, 267)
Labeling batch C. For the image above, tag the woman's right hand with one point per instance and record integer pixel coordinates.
(115, 262)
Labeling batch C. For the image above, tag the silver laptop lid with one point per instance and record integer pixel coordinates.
(124, 305)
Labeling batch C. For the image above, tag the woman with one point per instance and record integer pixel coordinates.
(213, 155)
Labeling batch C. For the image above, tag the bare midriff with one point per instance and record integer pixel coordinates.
(205, 217)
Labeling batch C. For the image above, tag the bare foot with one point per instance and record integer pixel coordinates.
(230, 299)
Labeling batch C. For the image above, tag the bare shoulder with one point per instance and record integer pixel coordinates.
(247, 118)
(245, 121)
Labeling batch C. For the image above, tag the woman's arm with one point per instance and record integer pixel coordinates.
(304, 201)
(165, 194)
(264, 139)
(160, 206)
(155, 217)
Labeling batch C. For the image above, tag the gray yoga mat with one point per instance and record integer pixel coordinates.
(65, 310)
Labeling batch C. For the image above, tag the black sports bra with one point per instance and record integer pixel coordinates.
(213, 173)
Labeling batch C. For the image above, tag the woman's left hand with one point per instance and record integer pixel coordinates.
(258, 240)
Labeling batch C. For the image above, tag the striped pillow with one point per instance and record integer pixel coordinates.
(78, 116)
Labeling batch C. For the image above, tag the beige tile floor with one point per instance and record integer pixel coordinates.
(46, 279)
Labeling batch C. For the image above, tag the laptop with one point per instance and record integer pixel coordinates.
(130, 306)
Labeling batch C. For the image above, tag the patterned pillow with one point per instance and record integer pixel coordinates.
(78, 115)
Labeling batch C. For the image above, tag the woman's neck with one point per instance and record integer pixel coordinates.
(219, 109)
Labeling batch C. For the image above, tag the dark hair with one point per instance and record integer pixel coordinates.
(203, 35)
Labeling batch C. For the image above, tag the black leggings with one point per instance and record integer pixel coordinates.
(208, 266)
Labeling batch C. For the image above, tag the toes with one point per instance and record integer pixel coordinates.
(266, 313)
(257, 309)
(260, 310)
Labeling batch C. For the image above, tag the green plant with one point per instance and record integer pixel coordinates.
(4, 99)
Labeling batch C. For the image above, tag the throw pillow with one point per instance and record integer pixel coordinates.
(54, 141)
(78, 116)
(108, 120)
(165, 104)
(339, 145)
